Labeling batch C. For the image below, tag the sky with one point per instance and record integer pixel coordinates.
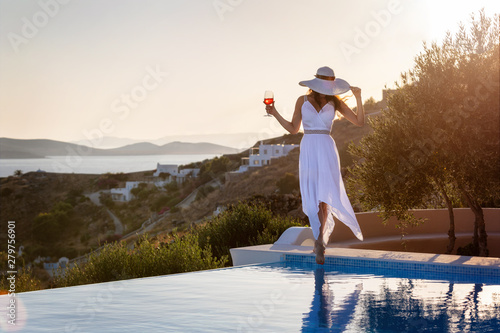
(145, 69)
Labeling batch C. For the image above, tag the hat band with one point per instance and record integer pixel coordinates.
(323, 77)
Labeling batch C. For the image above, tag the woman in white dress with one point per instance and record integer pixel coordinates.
(321, 185)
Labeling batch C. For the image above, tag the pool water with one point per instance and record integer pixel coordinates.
(278, 297)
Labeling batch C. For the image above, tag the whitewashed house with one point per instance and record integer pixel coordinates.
(123, 193)
(52, 267)
(263, 155)
(171, 169)
(185, 174)
(174, 173)
(194, 172)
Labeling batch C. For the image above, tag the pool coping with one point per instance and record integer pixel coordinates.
(369, 258)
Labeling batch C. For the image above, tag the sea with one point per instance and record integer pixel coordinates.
(96, 164)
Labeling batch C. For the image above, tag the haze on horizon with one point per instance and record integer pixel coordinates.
(150, 69)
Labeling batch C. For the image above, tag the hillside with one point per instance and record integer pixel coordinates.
(39, 148)
(261, 182)
(25, 197)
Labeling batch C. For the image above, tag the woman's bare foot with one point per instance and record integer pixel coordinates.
(319, 249)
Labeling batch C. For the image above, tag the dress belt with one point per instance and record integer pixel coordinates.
(316, 131)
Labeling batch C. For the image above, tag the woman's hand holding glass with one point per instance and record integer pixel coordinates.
(270, 109)
(269, 102)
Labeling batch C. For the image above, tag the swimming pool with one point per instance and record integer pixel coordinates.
(293, 295)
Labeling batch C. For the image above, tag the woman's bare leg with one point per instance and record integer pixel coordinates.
(319, 246)
(323, 215)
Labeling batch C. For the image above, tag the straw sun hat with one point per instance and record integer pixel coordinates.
(326, 83)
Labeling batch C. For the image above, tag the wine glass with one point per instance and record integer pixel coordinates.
(268, 100)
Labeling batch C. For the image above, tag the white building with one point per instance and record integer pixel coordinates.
(174, 173)
(263, 155)
(194, 172)
(171, 169)
(52, 267)
(123, 193)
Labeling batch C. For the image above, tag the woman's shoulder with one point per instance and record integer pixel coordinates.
(301, 99)
(300, 103)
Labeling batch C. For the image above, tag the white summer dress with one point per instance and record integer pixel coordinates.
(319, 172)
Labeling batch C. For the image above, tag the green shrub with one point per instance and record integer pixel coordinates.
(288, 183)
(204, 191)
(106, 200)
(116, 262)
(25, 281)
(274, 229)
(207, 247)
(468, 250)
(242, 225)
(278, 204)
(84, 238)
(6, 191)
(141, 192)
(174, 201)
(171, 187)
(160, 202)
(47, 227)
(213, 168)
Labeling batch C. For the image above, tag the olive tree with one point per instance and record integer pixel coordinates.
(441, 130)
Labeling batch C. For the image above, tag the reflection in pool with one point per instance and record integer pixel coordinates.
(278, 297)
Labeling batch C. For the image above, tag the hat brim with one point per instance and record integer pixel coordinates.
(326, 87)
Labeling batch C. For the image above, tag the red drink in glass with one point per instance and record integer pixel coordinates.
(268, 101)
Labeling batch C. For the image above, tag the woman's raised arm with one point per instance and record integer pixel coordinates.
(358, 118)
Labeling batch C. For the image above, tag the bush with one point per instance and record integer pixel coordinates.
(204, 191)
(6, 191)
(468, 250)
(112, 238)
(25, 281)
(106, 200)
(278, 204)
(116, 262)
(141, 191)
(47, 227)
(213, 168)
(159, 203)
(84, 238)
(104, 182)
(171, 187)
(288, 183)
(242, 225)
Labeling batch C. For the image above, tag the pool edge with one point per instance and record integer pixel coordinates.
(369, 258)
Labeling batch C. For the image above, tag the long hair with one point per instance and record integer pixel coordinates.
(329, 99)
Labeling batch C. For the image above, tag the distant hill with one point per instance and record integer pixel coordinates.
(39, 148)
(235, 140)
(172, 148)
(108, 142)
